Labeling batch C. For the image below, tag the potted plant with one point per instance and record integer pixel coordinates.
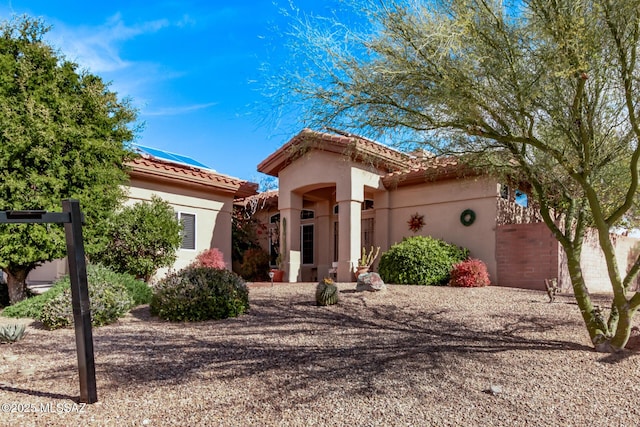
(278, 272)
(366, 260)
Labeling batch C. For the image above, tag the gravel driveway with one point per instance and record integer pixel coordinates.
(411, 356)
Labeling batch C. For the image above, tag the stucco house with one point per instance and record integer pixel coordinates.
(339, 192)
(201, 197)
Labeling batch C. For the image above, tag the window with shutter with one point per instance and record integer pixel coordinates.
(188, 230)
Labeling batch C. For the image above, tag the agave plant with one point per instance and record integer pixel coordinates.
(326, 292)
(12, 333)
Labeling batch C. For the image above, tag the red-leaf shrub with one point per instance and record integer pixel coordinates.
(211, 258)
(469, 273)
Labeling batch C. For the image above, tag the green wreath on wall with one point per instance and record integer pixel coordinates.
(467, 217)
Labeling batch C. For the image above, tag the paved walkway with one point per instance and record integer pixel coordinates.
(38, 287)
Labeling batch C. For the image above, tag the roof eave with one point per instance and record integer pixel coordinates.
(359, 149)
(212, 182)
(428, 174)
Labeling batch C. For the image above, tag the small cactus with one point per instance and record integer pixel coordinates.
(12, 333)
(367, 259)
(326, 292)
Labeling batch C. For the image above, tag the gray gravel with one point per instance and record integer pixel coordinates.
(411, 356)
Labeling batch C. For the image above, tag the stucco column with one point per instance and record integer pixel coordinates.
(290, 205)
(349, 238)
(324, 238)
(349, 196)
(382, 217)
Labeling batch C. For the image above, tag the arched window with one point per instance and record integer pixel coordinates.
(307, 214)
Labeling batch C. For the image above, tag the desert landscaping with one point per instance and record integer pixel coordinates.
(407, 356)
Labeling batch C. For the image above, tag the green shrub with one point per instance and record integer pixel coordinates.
(32, 306)
(109, 299)
(200, 293)
(137, 289)
(142, 238)
(255, 265)
(420, 260)
(57, 312)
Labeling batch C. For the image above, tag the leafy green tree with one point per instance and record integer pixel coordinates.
(62, 136)
(142, 238)
(545, 92)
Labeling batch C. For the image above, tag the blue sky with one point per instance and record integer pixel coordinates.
(192, 68)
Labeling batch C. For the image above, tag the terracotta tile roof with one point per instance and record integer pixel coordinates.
(358, 148)
(428, 169)
(147, 167)
(398, 168)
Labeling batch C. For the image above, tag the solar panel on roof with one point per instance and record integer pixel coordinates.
(171, 157)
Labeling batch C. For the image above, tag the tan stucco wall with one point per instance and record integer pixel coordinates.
(49, 271)
(213, 224)
(441, 203)
(349, 180)
(594, 265)
(213, 217)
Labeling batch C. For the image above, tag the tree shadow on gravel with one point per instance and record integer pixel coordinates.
(354, 341)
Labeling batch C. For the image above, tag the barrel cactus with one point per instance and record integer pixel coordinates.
(326, 292)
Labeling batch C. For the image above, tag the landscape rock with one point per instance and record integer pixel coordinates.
(370, 282)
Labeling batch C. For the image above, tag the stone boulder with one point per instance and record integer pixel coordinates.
(370, 282)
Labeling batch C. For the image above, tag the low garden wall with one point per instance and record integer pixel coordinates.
(526, 254)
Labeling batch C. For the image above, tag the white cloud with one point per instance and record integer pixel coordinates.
(98, 48)
(174, 111)
(186, 21)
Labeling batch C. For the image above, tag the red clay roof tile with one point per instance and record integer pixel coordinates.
(402, 168)
(149, 167)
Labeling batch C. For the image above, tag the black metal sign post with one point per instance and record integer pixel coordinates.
(80, 301)
(71, 217)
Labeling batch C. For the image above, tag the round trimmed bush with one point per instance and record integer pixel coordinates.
(200, 293)
(469, 273)
(420, 260)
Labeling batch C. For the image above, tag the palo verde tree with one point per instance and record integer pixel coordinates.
(541, 91)
(63, 135)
